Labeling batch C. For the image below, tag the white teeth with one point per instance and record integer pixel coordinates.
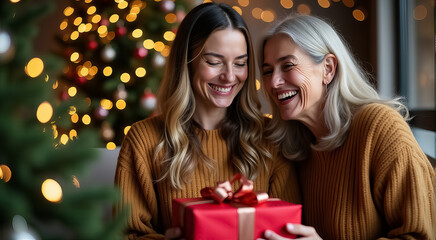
(220, 89)
(286, 94)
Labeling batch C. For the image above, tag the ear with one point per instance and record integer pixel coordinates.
(330, 63)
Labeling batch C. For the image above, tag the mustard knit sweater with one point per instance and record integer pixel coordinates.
(378, 184)
(150, 201)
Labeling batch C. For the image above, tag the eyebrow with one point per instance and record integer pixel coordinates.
(221, 56)
(280, 59)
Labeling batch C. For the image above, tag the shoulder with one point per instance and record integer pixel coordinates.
(379, 117)
(146, 131)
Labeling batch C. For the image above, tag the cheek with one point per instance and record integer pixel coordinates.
(242, 74)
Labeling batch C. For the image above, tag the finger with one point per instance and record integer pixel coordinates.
(270, 235)
(173, 233)
(302, 230)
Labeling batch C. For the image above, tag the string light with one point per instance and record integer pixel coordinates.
(137, 33)
(106, 104)
(256, 12)
(68, 11)
(148, 43)
(324, 3)
(171, 18)
(86, 119)
(287, 3)
(44, 112)
(159, 46)
(140, 72)
(74, 118)
(107, 71)
(51, 190)
(121, 104)
(169, 36)
(348, 3)
(34, 67)
(237, 9)
(267, 16)
(126, 129)
(125, 77)
(64, 139)
(111, 146)
(5, 173)
(303, 9)
(244, 3)
(358, 15)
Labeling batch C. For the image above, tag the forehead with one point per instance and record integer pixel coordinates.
(278, 46)
(227, 40)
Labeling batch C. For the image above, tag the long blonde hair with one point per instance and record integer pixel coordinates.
(243, 125)
(349, 90)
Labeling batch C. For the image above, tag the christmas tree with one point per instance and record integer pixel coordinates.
(116, 52)
(40, 195)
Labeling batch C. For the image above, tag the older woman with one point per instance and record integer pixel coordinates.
(208, 128)
(362, 173)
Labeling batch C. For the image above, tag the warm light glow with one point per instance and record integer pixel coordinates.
(74, 35)
(77, 21)
(64, 139)
(287, 3)
(88, 27)
(74, 57)
(140, 72)
(5, 173)
(159, 46)
(137, 33)
(169, 36)
(111, 146)
(63, 25)
(121, 104)
(106, 104)
(51, 190)
(73, 110)
(107, 71)
(84, 71)
(303, 9)
(420, 12)
(44, 112)
(91, 10)
(126, 129)
(171, 18)
(55, 131)
(68, 11)
(166, 51)
(267, 115)
(358, 15)
(207, 1)
(14, 1)
(74, 118)
(76, 182)
(256, 12)
(135, 9)
(73, 134)
(72, 91)
(81, 28)
(257, 85)
(148, 43)
(244, 3)
(55, 84)
(114, 18)
(348, 3)
(102, 29)
(93, 70)
(125, 77)
(123, 5)
(267, 16)
(237, 9)
(96, 18)
(131, 17)
(324, 3)
(34, 67)
(86, 119)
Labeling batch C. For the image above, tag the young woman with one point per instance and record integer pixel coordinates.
(362, 174)
(208, 128)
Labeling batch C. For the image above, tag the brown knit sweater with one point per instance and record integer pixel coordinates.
(150, 201)
(378, 184)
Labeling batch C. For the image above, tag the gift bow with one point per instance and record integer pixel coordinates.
(245, 194)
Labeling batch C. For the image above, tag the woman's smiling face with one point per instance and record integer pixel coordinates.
(292, 79)
(220, 69)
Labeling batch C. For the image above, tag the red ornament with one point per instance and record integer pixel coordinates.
(104, 21)
(64, 95)
(121, 31)
(81, 80)
(92, 45)
(140, 52)
(148, 100)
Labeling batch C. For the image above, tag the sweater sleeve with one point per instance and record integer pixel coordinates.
(404, 187)
(133, 176)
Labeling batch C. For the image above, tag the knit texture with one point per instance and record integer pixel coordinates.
(378, 184)
(150, 201)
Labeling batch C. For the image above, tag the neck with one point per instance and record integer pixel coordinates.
(209, 119)
(316, 123)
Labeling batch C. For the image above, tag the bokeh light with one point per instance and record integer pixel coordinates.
(359, 15)
(140, 72)
(287, 3)
(34, 67)
(126, 129)
(86, 119)
(111, 146)
(125, 77)
(5, 173)
(303, 9)
(51, 190)
(420, 12)
(44, 112)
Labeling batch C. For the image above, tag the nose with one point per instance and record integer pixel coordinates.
(276, 79)
(228, 74)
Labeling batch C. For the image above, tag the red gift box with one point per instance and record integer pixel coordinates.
(207, 219)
